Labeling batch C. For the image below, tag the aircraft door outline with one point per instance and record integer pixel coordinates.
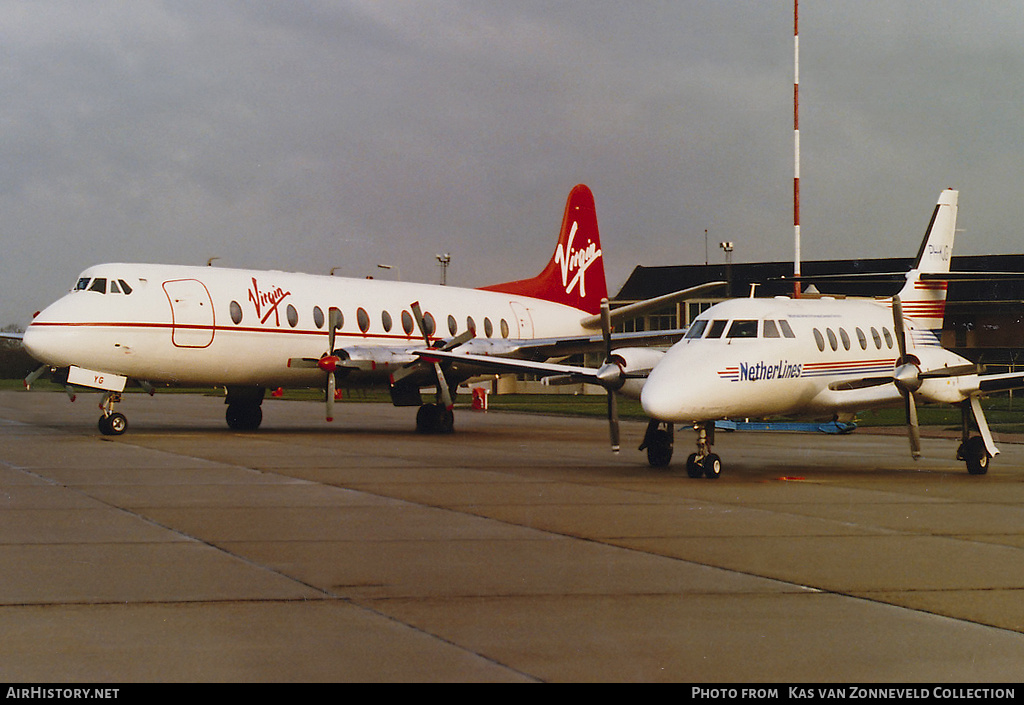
(193, 322)
(523, 319)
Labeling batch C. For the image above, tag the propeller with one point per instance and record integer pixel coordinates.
(443, 392)
(907, 378)
(610, 376)
(328, 362)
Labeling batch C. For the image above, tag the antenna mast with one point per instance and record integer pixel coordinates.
(796, 148)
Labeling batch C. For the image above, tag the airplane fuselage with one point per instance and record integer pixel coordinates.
(216, 326)
(770, 357)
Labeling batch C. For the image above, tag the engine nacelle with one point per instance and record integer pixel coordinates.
(636, 361)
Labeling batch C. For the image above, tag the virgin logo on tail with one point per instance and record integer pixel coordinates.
(576, 262)
(565, 278)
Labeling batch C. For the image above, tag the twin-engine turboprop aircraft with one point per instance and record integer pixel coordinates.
(823, 356)
(252, 330)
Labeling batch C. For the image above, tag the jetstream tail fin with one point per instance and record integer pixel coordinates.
(574, 275)
(924, 298)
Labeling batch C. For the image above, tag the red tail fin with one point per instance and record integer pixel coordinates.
(575, 274)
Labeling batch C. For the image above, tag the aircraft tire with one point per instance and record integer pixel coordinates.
(712, 467)
(659, 449)
(976, 456)
(693, 468)
(113, 425)
(243, 417)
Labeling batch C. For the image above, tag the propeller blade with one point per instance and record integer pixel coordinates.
(613, 420)
(33, 376)
(955, 371)
(913, 429)
(331, 384)
(897, 322)
(606, 328)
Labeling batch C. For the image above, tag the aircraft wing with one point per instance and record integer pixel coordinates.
(9, 335)
(988, 384)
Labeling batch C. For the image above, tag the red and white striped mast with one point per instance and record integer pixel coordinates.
(796, 148)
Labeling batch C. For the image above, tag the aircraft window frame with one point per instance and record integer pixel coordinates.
(362, 320)
(844, 337)
(717, 328)
(235, 311)
(318, 317)
(888, 337)
(861, 338)
(697, 329)
(385, 320)
(292, 315)
(832, 341)
(819, 340)
(407, 323)
(876, 338)
(99, 285)
(742, 328)
(771, 330)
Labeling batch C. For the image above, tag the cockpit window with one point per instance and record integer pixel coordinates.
(743, 329)
(99, 284)
(786, 330)
(717, 328)
(82, 284)
(770, 329)
(697, 329)
(125, 289)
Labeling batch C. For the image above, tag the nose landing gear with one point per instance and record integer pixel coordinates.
(112, 423)
(704, 463)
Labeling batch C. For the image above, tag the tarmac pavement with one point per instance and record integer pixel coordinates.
(517, 549)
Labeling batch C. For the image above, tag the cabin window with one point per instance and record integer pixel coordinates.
(429, 326)
(99, 284)
(888, 338)
(786, 330)
(743, 329)
(471, 324)
(877, 338)
(385, 320)
(363, 319)
(318, 317)
(818, 340)
(236, 312)
(488, 328)
(453, 325)
(504, 328)
(292, 315)
(717, 328)
(844, 336)
(862, 339)
(697, 329)
(407, 324)
(832, 342)
(771, 330)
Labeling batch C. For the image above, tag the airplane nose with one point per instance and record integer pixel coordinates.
(661, 393)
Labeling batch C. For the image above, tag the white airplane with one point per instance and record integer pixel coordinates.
(252, 330)
(810, 357)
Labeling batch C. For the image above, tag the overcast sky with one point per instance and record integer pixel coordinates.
(311, 134)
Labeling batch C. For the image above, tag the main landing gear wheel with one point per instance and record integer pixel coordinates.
(113, 424)
(435, 418)
(975, 455)
(244, 417)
